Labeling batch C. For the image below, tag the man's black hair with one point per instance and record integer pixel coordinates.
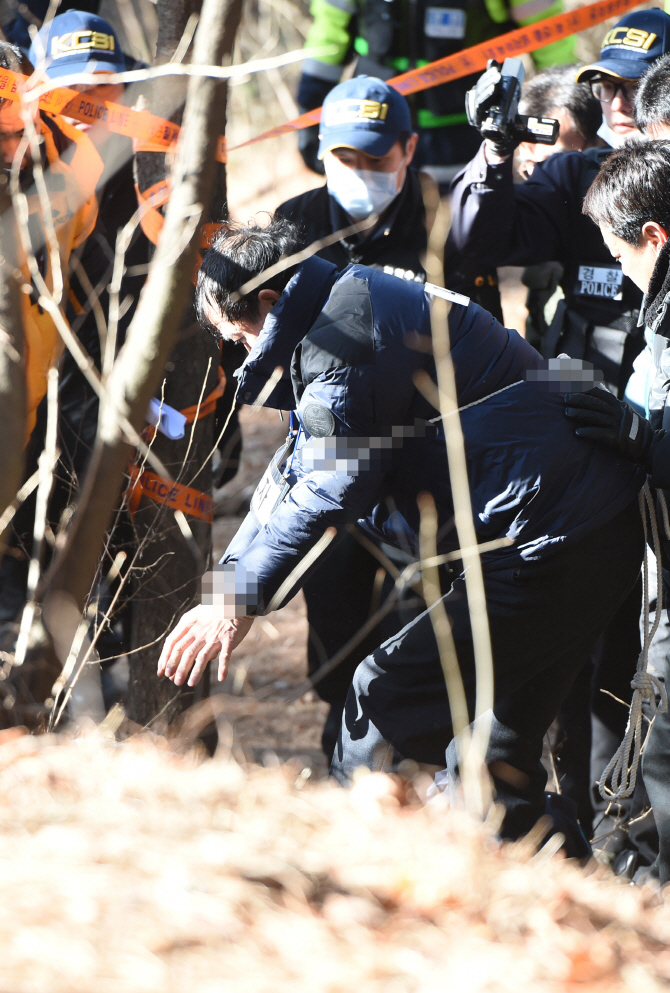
(652, 100)
(632, 187)
(13, 58)
(238, 254)
(557, 88)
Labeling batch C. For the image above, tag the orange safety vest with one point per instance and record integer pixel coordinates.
(71, 179)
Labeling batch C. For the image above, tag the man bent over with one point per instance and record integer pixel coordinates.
(348, 348)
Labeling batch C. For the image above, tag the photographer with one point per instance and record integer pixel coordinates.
(630, 202)
(541, 220)
(555, 94)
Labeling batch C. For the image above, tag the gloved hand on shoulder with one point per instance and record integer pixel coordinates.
(600, 417)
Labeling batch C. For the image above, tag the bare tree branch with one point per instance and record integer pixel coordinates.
(154, 329)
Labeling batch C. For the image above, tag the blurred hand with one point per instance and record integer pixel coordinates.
(601, 417)
(200, 635)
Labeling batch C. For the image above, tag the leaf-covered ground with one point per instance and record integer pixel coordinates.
(127, 868)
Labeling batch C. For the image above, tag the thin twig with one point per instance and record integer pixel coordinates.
(47, 462)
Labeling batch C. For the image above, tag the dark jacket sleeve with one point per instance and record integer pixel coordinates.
(503, 223)
(338, 482)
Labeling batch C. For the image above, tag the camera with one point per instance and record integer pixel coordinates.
(492, 107)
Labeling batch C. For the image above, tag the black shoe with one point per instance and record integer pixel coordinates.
(563, 812)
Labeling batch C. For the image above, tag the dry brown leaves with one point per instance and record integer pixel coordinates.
(128, 868)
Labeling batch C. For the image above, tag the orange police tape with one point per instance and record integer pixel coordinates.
(166, 492)
(157, 134)
(469, 60)
(152, 132)
(443, 71)
(176, 496)
(151, 220)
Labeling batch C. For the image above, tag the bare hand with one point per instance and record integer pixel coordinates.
(201, 635)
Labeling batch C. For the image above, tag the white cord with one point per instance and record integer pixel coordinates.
(474, 403)
(623, 767)
(664, 512)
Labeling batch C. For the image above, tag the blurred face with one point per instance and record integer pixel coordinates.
(637, 261)
(617, 98)
(569, 140)
(396, 159)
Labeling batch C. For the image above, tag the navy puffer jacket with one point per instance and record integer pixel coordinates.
(350, 346)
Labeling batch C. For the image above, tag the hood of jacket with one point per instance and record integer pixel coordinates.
(657, 297)
(285, 326)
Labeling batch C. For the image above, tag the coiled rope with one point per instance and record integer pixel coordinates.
(622, 769)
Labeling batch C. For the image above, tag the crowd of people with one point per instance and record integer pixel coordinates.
(350, 327)
(564, 424)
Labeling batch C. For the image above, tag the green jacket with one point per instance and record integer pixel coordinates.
(348, 26)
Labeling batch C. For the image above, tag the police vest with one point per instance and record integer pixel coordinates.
(597, 321)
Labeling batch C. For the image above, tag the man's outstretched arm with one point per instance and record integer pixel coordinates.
(201, 635)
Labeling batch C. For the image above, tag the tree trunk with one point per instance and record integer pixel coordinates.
(141, 365)
(167, 582)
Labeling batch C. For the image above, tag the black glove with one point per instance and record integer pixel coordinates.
(601, 417)
(484, 94)
(488, 92)
(308, 146)
(312, 91)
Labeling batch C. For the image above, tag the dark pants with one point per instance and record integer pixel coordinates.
(545, 617)
(340, 596)
(591, 723)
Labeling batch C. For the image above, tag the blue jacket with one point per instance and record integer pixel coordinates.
(349, 345)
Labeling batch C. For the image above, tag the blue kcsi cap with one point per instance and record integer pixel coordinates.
(363, 113)
(630, 48)
(78, 42)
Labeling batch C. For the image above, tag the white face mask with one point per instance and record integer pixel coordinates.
(360, 192)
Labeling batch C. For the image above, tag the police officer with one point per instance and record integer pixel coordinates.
(630, 201)
(354, 343)
(367, 147)
(79, 42)
(541, 220)
(72, 169)
(388, 37)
